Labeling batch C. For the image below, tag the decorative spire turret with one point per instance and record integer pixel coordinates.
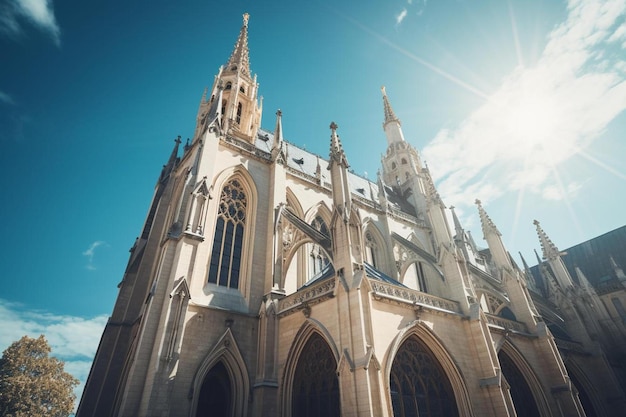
(549, 249)
(278, 137)
(487, 224)
(553, 256)
(494, 240)
(336, 149)
(240, 58)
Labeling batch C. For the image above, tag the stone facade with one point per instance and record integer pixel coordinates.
(269, 281)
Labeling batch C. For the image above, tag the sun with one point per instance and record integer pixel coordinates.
(532, 120)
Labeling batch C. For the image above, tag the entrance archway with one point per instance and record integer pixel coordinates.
(216, 394)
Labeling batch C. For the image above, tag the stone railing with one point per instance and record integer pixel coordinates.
(406, 217)
(303, 175)
(506, 324)
(307, 296)
(241, 144)
(381, 290)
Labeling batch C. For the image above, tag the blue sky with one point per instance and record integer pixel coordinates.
(518, 103)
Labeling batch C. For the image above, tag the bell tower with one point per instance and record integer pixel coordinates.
(233, 100)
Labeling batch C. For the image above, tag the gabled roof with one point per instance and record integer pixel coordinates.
(315, 167)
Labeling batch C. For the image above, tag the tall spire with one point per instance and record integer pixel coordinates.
(487, 224)
(239, 60)
(390, 116)
(550, 251)
(457, 225)
(336, 149)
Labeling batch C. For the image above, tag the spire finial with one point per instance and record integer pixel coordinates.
(390, 116)
(550, 251)
(487, 224)
(240, 58)
(336, 149)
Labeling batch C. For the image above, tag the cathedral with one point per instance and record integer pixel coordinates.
(270, 281)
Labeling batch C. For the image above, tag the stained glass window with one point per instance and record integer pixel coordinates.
(225, 261)
(419, 385)
(521, 394)
(316, 386)
(318, 259)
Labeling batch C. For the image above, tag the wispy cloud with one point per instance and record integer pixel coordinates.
(540, 116)
(36, 12)
(6, 99)
(90, 253)
(72, 339)
(400, 16)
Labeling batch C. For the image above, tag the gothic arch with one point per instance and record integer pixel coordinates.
(494, 300)
(240, 174)
(309, 328)
(529, 378)
(320, 209)
(294, 203)
(226, 356)
(381, 254)
(588, 395)
(435, 346)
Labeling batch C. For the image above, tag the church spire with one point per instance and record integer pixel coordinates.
(552, 255)
(392, 124)
(487, 224)
(337, 155)
(493, 237)
(239, 59)
(550, 251)
(390, 116)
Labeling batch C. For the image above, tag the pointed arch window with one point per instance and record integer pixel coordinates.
(317, 257)
(419, 385)
(316, 386)
(371, 249)
(523, 399)
(229, 85)
(239, 109)
(225, 261)
(224, 103)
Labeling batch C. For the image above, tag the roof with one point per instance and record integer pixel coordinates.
(314, 167)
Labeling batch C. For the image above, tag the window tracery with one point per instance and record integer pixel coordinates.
(418, 383)
(225, 261)
(316, 386)
(523, 399)
(317, 257)
(371, 248)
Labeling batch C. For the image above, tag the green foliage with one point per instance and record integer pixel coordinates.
(32, 383)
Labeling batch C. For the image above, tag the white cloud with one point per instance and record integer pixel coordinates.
(400, 16)
(90, 252)
(38, 12)
(72, 339)
(539, 116)
(6, 99)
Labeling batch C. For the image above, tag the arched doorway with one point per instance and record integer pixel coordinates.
(315, 385)
(521, 394)
(419, 385)
(216, 394)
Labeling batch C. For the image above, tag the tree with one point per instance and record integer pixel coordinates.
(32, 383)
